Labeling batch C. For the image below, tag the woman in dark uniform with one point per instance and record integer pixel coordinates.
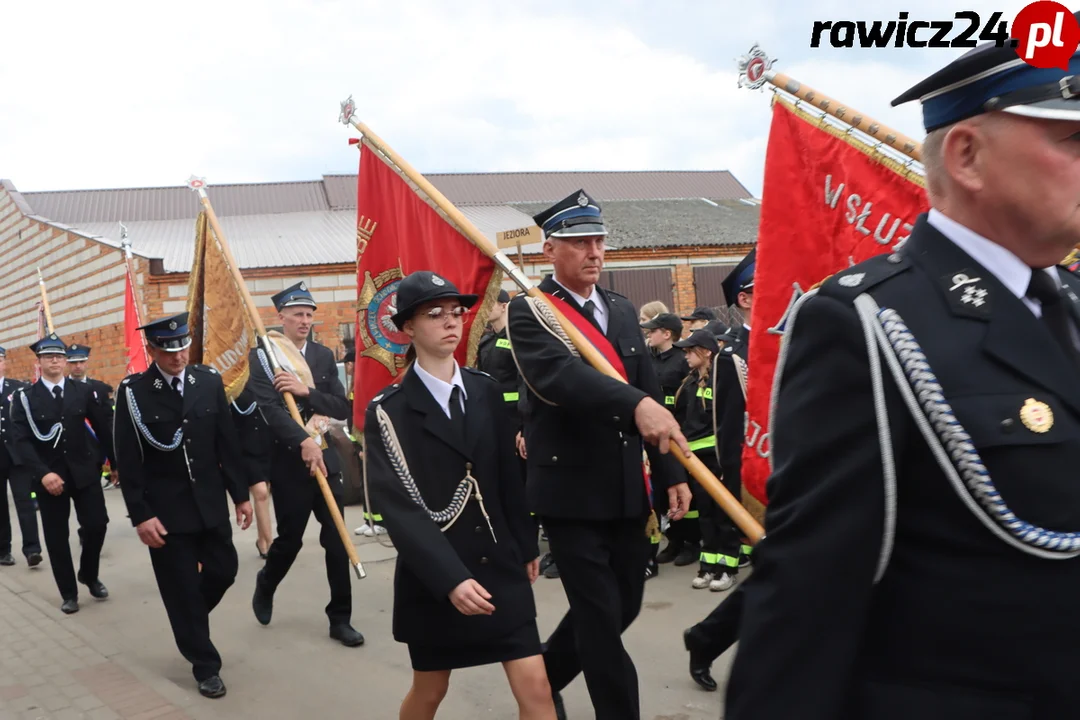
(443, 474)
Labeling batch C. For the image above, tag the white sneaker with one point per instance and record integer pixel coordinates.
(722, 583)
(364, 529)
(380, 530)
(703, 580)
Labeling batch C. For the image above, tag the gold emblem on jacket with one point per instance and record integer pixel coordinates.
(1036, 416)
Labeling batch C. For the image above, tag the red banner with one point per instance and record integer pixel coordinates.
(399, 233)
(828, 202)
(133, 339)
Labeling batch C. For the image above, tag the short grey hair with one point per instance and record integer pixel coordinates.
(934, 161)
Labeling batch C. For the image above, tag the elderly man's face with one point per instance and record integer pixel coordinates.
(1029, 172)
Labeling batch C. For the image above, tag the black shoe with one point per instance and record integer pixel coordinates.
(98, 591)
(212, 687)
(70, 607)
(651, 570)
(551, 571)
(546, 561)
(33, 559)
(7, 560)
(345, 634)
(560, 710)
(687, 556)
(669, 553)
(700, 667)
(262, 603)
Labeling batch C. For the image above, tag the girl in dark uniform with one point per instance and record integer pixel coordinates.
(443, 474)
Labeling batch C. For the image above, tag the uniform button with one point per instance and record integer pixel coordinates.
(478, 530)
(185, 421)
(624, 443)
(483, 561)
(616, 418)
(1007, 425)
(554, 458)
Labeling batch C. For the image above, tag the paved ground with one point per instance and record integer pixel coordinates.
(117, 659)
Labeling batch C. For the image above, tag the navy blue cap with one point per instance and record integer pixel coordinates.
(741, 279)
(504, 297)
(170, 334)
(716, 327)
(700, 338)
(78, 353)
(576, 215)
(989, 78)
(51, 344)
(701, 313)
(294, 296)
(664, 321)
(424, 286)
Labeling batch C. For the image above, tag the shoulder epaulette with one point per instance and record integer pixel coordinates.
(474, 371)
(850, 283)
(131, 378)
(385, 393)
(204, 368)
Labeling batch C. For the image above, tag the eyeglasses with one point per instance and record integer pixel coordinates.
(440, 313)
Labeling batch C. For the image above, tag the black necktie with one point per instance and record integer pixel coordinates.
(58, 393)
(457, 414)
(176, 386)
(1054, 313)
(590, 312)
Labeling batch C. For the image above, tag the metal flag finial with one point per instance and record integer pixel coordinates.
(754, 68)
(123, 234)
(348, 109)
(196, 183)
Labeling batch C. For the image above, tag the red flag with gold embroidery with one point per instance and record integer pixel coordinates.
(829, 201)
(398, 233)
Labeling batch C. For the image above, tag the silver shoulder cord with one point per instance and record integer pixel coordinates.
(142, 430)
(949, 442)
(54, 433)
(544, 315)
(244, 412)
(465, 489)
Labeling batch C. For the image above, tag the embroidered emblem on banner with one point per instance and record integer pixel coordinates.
(380, 338)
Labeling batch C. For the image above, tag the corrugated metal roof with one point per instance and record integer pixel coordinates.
(174, 203)
(548, 187)
(670, 223)
(276, 240)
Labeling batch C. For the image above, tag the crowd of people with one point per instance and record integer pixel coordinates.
(923, 524)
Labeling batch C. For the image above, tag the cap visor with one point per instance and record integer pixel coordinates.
(582, 230)
(1052, 109)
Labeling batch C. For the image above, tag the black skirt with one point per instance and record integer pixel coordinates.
(521, 643)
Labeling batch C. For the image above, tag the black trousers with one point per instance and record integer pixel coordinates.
(720, 628)
(189, 595)
(602, 566)
(24, 510)
(89, 505)
(295, 499)
(721, 539)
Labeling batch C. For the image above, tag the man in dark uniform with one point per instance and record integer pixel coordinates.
(20, 484)
(179, 454)
(925, 436)
(671, 368)
(51, 445)
(585, 476)
(296, 455)
(78, 357)
(710, 638)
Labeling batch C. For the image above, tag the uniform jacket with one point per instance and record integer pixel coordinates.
(7, 394)
(671, 369)
(254, 436)
(731, 409)
(962, 625)
(104, 391)
(584, 451)
(74, 455)
(495, 357)
(187, 494)
(326, 398)
(432, 563)
(694, 407)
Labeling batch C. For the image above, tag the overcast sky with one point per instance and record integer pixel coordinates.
(130, 94)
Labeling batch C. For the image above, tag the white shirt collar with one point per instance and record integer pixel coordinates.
(169, 378)
(1013, 272)
(600, 309)
(50, 385)
(303, 350)
(441, 390)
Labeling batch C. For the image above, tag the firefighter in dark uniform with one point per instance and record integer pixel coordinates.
(78, 357)
(925, 435)
(20, 484)
(710, 638)
(296, 454)
(257, 449)
(585, 477)
(684, 537)
(52, 446)
(444, 474)
(494, 358)
(179, 456)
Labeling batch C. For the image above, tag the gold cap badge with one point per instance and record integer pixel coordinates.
(1036, 416)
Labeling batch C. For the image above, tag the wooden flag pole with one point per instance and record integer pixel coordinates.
(755, 70)
(49, 328)
(738, 514)
(199, 186)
